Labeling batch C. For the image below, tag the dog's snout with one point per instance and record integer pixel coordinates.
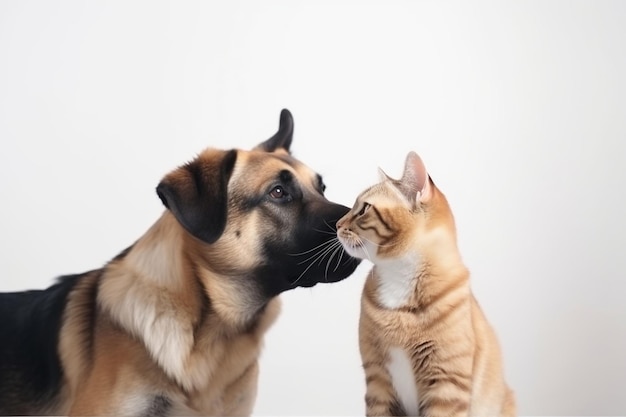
(341, 211)
(330, 212)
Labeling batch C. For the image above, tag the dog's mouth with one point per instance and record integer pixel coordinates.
(306, 284)
(326, 261)
(311, 253)
(333, 267)
(287, 275)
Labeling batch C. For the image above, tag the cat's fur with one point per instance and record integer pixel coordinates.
(426, 346)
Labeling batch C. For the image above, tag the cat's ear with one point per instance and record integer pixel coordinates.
(415, 182)
(382, 175)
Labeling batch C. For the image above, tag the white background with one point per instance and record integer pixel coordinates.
(517, 108)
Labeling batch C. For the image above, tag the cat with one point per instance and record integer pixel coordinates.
(426, 346)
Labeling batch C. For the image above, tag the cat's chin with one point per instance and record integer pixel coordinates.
(355, 254)
(354, 251)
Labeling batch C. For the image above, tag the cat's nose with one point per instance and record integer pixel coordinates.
(342, 221)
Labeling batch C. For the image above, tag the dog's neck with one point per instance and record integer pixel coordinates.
(169, 258)
(159, 257)
(160, 292)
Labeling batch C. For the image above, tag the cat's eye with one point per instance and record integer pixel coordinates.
(364, 208)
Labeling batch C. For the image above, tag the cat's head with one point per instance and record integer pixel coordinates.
(397, 216)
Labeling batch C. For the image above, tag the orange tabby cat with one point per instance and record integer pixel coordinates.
(427, 349)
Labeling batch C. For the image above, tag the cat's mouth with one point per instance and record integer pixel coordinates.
(348, 244)
(351, 245)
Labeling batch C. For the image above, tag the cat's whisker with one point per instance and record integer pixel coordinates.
(327, 251)
(338, 247)
(312, 249)
(330, 227)
(327, 263)
(367, 254)
(318, 256)
(342, 251)
(321, 250)
(327, 232)
(303, 272)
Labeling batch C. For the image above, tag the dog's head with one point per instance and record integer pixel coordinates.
(260, 214)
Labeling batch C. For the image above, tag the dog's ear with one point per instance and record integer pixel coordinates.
(282, 138)
(196, 194)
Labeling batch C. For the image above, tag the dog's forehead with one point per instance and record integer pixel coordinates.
(258, 166)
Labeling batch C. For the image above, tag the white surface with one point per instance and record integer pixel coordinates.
(517, 108)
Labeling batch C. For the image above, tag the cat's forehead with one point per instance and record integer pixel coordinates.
(383, 193)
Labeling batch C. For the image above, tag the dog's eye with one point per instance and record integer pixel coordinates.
(278, 192)
(364, 209)
(320, 184)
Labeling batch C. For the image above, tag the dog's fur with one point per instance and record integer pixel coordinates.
(174, 324)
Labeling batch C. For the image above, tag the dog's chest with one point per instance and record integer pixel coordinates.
(221, 403)
(158, 406)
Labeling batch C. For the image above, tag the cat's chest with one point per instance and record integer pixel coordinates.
(394, 285)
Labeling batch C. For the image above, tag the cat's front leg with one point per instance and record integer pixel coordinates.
(380, 397)
(447, 395)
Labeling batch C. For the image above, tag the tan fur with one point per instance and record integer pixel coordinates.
(152, 332)
(208, 361)
(408, 230)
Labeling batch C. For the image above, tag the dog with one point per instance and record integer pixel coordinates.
(173, 325)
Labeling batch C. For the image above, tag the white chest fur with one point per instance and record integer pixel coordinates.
(403, 380)
(396, 282)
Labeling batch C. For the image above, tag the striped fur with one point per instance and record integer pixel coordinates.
(417, 307)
